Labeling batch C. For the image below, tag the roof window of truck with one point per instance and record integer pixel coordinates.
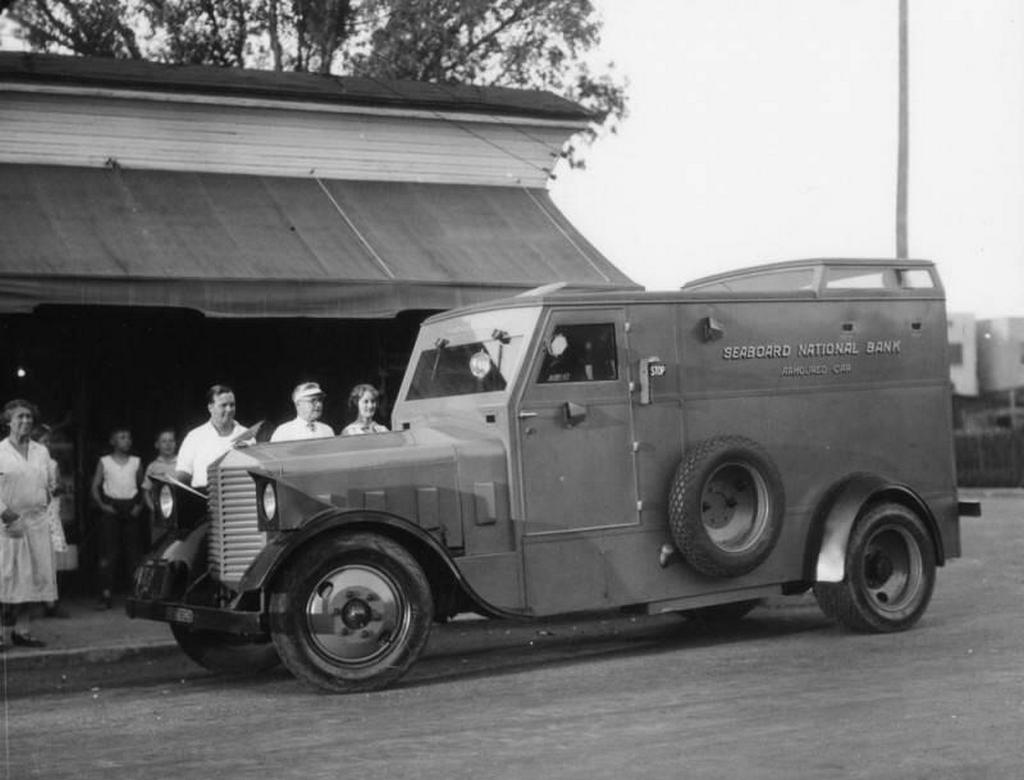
(580, 353)
(916, 279)
(776, 280)
(859, 278)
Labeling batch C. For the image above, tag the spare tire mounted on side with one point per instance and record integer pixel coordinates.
(726, 506)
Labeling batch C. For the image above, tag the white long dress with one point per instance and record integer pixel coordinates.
(27, 565)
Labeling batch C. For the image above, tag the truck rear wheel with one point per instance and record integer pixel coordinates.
(352, 613)
(890, 573)
(226, 653)
(726, 506)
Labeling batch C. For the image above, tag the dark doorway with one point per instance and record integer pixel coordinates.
(91, 368)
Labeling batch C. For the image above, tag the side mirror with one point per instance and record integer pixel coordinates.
(573, 414)
(650, 368)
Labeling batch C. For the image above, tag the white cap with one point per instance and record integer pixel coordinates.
(307, 390)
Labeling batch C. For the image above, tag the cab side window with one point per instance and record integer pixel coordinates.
(580, 353)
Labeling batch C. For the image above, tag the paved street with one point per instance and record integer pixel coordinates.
(785, 694)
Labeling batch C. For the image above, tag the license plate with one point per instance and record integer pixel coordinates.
(180, 615)
(149, 580)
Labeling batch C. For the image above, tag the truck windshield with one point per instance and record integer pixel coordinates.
(474, 354)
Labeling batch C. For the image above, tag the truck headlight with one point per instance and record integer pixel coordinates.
(165, 500)
(268, 498)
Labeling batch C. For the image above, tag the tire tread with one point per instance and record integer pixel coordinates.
(840, 600)
(284, 614)
(692, 543)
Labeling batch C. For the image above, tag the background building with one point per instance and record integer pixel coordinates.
(990, 441)
(963, 354)
(1001, 354)
(163, 228)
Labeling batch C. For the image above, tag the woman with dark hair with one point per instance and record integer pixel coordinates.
(27, 566)
(364, 399)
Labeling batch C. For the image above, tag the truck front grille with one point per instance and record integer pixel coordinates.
(234, 539)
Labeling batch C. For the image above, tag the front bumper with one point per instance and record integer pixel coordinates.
(161, 591)
(199, 618)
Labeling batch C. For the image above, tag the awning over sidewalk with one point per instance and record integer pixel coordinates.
(250, 246)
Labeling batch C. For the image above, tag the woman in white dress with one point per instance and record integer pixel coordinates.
(27, 566)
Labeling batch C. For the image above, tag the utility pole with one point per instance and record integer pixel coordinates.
(903, 151)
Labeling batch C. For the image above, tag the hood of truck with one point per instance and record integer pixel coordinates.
(432, 476)
(340, 454)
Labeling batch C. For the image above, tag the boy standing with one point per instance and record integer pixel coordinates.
(164, 465)
(116, 491)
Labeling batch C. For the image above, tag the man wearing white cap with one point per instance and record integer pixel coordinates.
(309, 406)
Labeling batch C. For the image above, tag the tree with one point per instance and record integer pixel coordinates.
(537, 44)
(201, 32)
(98, 27)
(534, 44)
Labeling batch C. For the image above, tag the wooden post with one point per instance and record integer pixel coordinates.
(1016, 465)
(903, 151)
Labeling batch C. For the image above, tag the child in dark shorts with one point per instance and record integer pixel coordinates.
(116, 490)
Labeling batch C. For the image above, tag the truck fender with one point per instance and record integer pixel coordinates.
(844, 505)
(181, 558)
(186, 549)
(280, 549)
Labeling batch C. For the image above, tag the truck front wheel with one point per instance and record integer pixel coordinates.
(890, 572)
(351, 613)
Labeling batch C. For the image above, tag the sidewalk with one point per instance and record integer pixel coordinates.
(90, 636)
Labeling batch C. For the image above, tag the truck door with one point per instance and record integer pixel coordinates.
(574, 427)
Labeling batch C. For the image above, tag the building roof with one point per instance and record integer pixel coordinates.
(126, 183)
(233, 245)
(138, 75)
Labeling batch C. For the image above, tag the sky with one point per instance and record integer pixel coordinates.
(766, 130)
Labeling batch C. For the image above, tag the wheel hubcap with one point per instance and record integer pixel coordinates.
(734, 506)
(893, 569)
(355, 614)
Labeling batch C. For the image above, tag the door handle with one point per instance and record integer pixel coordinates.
(527, 415)
(573, 413)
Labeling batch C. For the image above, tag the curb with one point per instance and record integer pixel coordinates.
(999, 492)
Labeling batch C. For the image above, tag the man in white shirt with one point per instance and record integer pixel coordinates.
(309, 407)
(203, 445)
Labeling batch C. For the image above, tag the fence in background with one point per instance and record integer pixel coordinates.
(990, 458)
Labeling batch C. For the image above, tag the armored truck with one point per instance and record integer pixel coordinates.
(754, 434)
